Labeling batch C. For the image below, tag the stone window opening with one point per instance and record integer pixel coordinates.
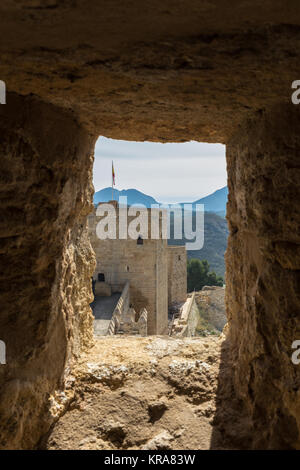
(163, 95)
(140, 240)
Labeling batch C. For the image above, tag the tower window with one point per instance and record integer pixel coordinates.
(101, 277)
(140, 241)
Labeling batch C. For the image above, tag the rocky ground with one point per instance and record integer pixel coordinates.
(145, 393)
(211, 303)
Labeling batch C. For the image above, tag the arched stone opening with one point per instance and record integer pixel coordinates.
(47, 267)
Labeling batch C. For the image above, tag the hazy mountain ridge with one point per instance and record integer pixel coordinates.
(133, 196)
(215, 202)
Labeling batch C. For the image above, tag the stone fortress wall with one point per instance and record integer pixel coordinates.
(153, 270)
(177, 279)
(187, 321)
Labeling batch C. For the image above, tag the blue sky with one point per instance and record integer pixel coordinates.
(169, 172)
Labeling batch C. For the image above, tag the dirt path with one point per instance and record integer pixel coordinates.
(142, 393)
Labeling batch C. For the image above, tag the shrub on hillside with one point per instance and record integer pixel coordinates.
(198, 275)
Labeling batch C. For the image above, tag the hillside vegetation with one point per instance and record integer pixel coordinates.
(200, 275)
(215, 242)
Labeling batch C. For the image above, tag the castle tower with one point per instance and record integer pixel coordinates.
(142, 261)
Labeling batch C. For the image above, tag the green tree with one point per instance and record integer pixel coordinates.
(198, 275)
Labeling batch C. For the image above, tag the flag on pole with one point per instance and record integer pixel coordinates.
(113, 174)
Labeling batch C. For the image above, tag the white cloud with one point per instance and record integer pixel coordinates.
(172, 172)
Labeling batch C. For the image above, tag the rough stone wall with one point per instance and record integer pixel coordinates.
(144, 266)
(46, 260)
(177, 274)
(142, 322)
(263, 272)
(193, 318)
(161, 275)
(211, 303)
(130, 69)
(185, 325)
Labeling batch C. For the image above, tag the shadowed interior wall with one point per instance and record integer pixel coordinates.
(46, 260)
(263, 272)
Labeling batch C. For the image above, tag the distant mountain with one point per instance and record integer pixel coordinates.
(215, 242)
(133, 196)
(215, 202)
